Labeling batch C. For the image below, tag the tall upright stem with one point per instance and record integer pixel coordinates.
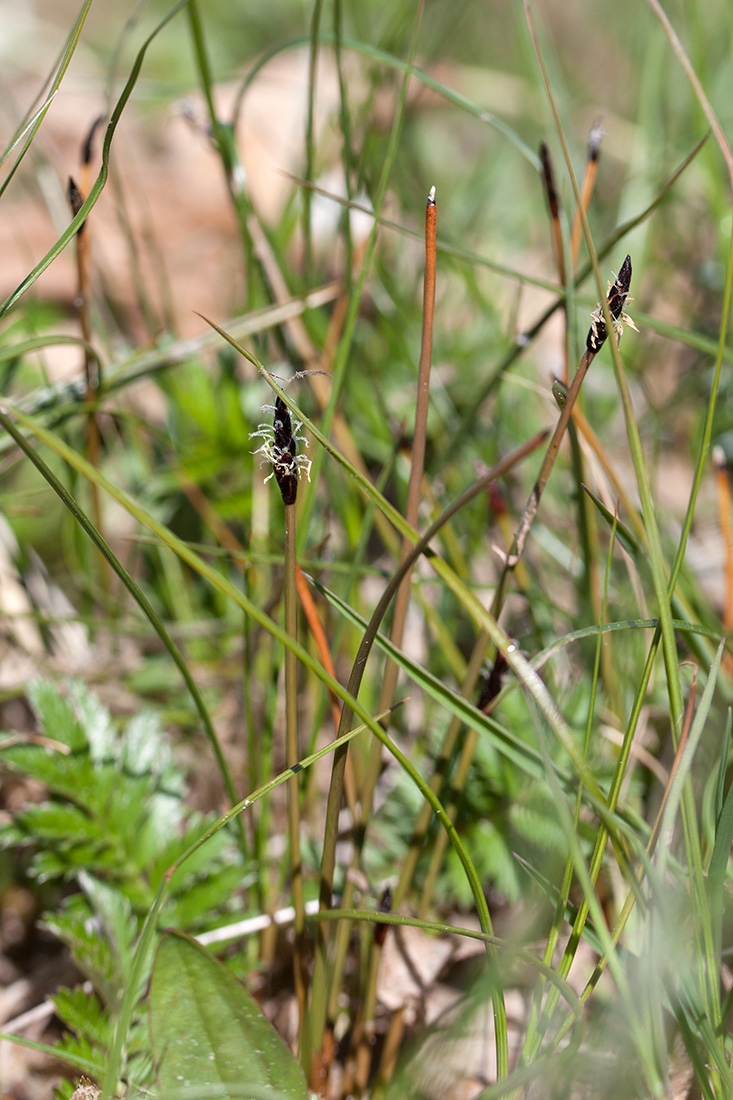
(292, 757)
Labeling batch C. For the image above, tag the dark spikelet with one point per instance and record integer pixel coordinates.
(594, 141)
(86, 151)
(76, 201)
(617, 296)
(74, 195)
(283, 426)
(288, 484)
(492, 684)
(286, 469)
(380, 930)
(549, 179)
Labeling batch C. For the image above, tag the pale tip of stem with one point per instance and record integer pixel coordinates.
(431, 196)
(594, 140)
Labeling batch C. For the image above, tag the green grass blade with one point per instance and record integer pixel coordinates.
(30, 130)
(98, 186)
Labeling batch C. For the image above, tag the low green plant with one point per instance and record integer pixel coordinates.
(113, 821)
(515, 785)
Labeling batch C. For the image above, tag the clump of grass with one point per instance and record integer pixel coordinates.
(533, 672)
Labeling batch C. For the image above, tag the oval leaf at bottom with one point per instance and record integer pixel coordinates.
(207, 1031)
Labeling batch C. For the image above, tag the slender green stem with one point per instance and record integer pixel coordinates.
(310, 139)
(343, 352)
(223, 135)
(292, 755)
(535, 1031)
(402, 597)
(101, 179)
(319, 1004)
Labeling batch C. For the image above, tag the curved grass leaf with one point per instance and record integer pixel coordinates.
(30, 128)
(96, 190)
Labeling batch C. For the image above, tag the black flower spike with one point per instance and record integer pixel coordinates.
(280, 448)
(492, 684)
(286, 470)
(282, 426)
(617, 295)
(76, 201)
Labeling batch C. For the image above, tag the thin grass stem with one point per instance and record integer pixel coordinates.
(343, 351)
(586, 190)
(292, 756)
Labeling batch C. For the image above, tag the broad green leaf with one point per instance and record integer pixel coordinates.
(206, 1030)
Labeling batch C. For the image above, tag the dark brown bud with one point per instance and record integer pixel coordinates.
(617, 296)
(75, 197)
(86, 151)
(285, 449)
(549, 179)
(380, 931)
(492, 684)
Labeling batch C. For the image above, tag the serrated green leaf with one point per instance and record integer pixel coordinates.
(144, 750)
(83, 1014)
(206, 1030)
(92, 953)
(114, 912)
(96, 722)
(58, 821)
(63, 774)
(55, 716)
(49, 865)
